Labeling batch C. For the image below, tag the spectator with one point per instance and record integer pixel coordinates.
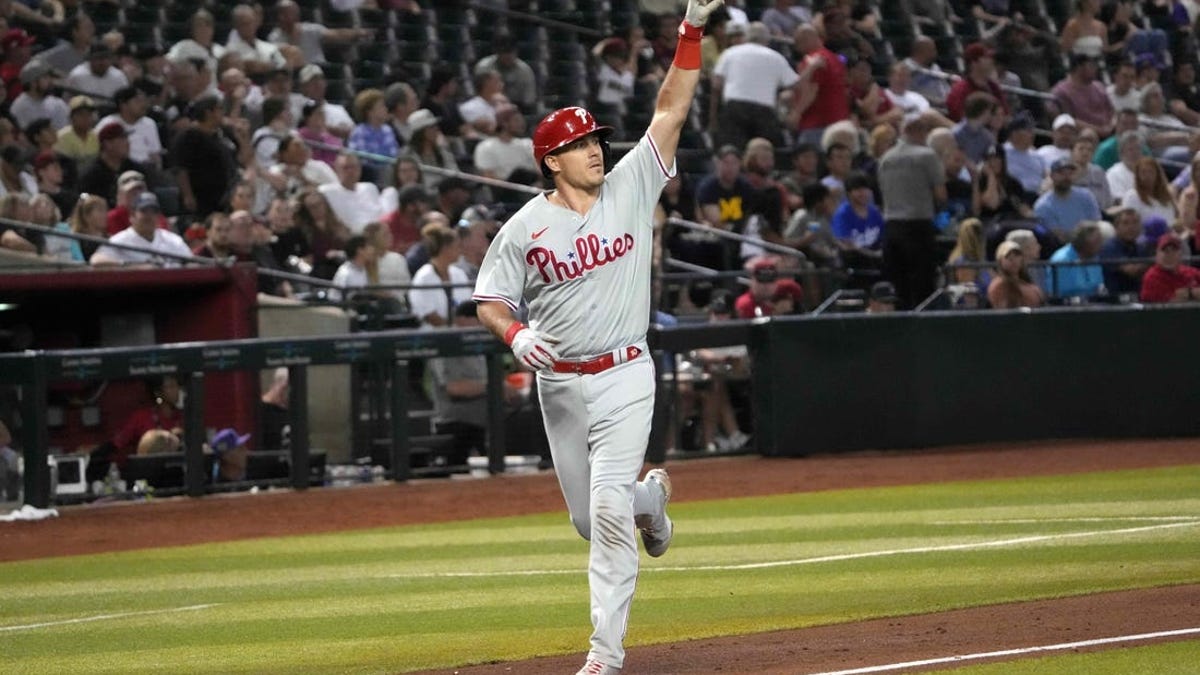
(783, 19)
(970, 248)
(899, 91)
(1011, 287)
(1081, 96)
(882, 298)
(912, 182)
(1187, 204)
(17, 46)
(476, 229)
(724, 198)
(857, 223)
(391, 268)
(454, 194)
(130, 186)
(187, 86)
(1084, 34)
(615, 81)
(510, 149)
(73, 50)
(313, 129)
(200, 45)
(1166, 133)
(768, 295)
(206, 160)
(973, 133)
(14, 206)
(88, 217)
(164, 414)
(1067, 278)
(287, 243)
(354, 201)
(871, 105)
(746, 82)
(429, 146)
(981, 71)
(1065, 206)
(441, 93)
(277, 124)
(296, 170)
(98, 76)
(36, 101)
(412, 202)
(725, 368)
(145, 147)
(1125, 280)
(144, 234)
(810, 229)
(278, 84)
(313, 87)
(823, 97)
(996, 195)
(432, 303)
(354, 272)
(401, 101)
(719, 34)
(1183, 94)
(48, 173)
(838, 160)
(325, 236)
(1063, 132)
(1121, 175)
(406, 172)
(520, 85)
(1122, 93)
(1031, 248)
(928, 80)
(459, 392)
(218, 242)
(309, 37)
(1022, 161)
(1089, 176)
(1150, 195)
(418, 254)
(1168, 279)
(806, 160)
(79, 141)
(258, 56)
(13, 176)
(479, 111)
(758, 166)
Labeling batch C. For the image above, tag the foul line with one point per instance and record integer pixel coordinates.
(810, 561)
(103, 617)
(1014, 652)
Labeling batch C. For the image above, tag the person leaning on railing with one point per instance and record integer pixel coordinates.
(1168, 279)
(1012, 286)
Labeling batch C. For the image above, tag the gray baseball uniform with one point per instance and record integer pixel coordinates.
(586, 279)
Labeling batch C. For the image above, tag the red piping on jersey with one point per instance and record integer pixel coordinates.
(494, 298)
(658, 158)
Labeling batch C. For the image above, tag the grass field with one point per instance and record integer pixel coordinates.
(402, 599)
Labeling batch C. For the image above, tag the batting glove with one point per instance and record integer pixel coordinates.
(698, 11)
(534, 349)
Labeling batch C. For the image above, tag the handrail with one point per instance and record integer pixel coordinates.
(49, 231)
(533, 18)
(733, 236)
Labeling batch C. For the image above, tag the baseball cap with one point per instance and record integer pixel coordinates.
(422, 119)
(82, 102)
(35, 69)
(112, 130)
(1169, 239)
(310, 72)
(1154, 227)
(130, 177)
(1021, 120)
(764, 270)
(229, 439)
(1005, 248)
(615, 47)
(16, 37)
(1063, 120)
(44, 158)
(147, 201)
(976, 51)
(1063, 163)
(883, 291)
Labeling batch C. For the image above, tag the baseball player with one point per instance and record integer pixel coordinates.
(579, 256)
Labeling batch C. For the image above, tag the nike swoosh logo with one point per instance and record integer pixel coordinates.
(540, 232)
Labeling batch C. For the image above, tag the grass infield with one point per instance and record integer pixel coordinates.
(409, 598)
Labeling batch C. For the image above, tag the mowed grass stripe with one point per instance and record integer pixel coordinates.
(317, 592)
(1173, 658)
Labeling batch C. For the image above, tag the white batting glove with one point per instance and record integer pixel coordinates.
(698, 11)
(535, 350)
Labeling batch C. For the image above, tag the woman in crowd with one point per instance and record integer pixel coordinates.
(1084, 33)
(1012, 287)
(15, 206)
(89, 217)
(428, 146)
(313, 130)
(1150, 195)
(432, 305)
(391, 268)
(322, 231)
(971, 248)
(407, 171)
(43, 211)
(997, 195)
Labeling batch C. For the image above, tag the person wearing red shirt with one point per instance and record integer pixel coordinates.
(981, 71)
(17, 46)
(1168, 279)
(130, 185)
(823, 96)
(768, 295)
(164, 417)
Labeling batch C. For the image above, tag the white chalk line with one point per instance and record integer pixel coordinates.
(811, 561)
(1089, 519)
(105, 617)
(1015, 652)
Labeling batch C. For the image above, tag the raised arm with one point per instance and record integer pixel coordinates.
(679, 86)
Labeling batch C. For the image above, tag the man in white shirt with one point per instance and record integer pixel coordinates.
(307, 36)
(746, 81)
(145, 147)
(143, 232)
(258, 56)
(497, 156)
(97, 76)
(36, 102)
(1123, 91)
(480, 111)
(1120, 175)
(312, 86)
(1063, 131)
(355, 203)
(353, 273)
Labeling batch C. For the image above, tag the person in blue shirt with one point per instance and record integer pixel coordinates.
(857, 223)
(1065, 206)
(1067, 278)
(1125, 281)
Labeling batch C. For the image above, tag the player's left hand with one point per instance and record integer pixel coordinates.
(698, 11)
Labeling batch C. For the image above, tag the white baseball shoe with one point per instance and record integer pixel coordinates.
(657, 532)
(594, 667)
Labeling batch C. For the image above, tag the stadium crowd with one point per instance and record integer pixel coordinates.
(813, 132)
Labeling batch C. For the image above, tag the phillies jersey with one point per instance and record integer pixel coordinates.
(585, 278)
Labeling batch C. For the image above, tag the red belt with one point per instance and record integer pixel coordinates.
(600, 363)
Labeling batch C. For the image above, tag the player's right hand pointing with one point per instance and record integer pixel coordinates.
(535, 350)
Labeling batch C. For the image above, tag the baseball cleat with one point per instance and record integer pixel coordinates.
(594, 667)
(656, 536)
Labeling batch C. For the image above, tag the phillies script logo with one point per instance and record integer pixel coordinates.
(590, 252)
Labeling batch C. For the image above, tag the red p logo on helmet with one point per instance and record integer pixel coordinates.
(561, 127)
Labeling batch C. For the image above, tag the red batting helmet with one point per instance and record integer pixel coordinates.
(561, 127)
